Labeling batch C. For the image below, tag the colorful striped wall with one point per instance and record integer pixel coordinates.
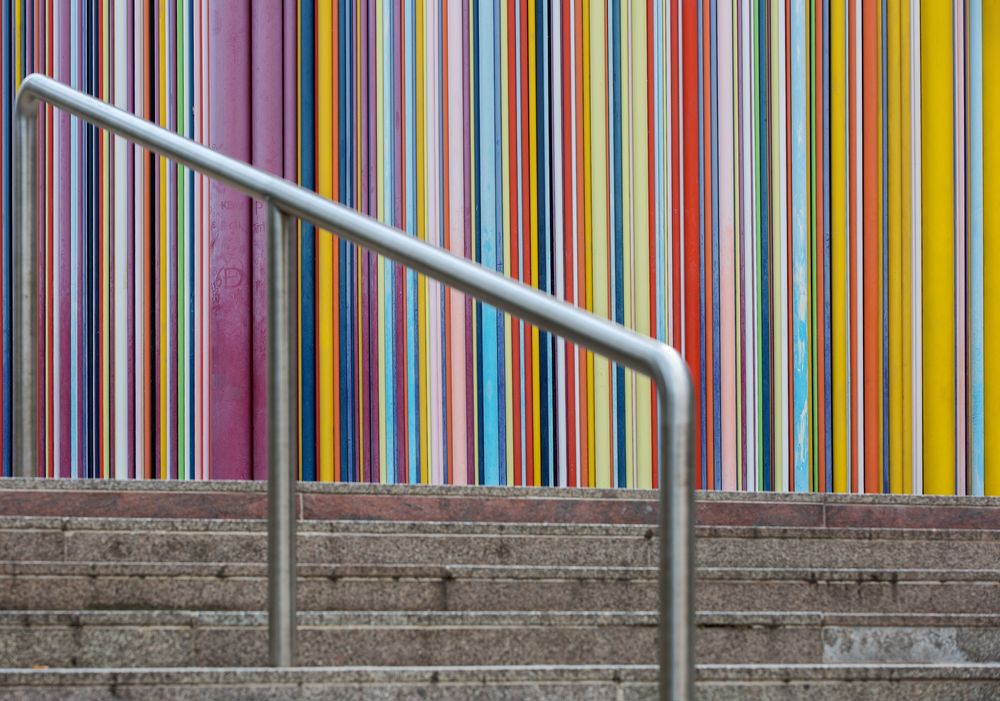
(790, 191)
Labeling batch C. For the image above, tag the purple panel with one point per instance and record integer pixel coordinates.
(230, 245)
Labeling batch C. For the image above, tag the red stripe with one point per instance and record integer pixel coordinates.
(692, 344)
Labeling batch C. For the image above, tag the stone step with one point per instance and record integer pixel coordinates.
(240, 500)
(584, 545)
(966, 682)
(849, 590)
(222, 639)
(236, 586)
(834, 682)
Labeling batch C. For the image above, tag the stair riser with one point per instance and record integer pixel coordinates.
(223, 646)
(845, 553)
(324, 594)
(830, 691)
(455, 594)
(346, 692)
(500, 549)
(417, 548)
(114, 646)
(847, 691)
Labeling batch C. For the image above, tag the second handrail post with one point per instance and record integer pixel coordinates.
(282, 435)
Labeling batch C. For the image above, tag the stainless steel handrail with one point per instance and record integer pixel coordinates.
(286, 200)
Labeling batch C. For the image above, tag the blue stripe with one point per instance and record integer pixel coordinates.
(615, 80)
(308, 243)
(716, 332)
(765, 260)
(702, 373)
(498, 236)
(5, 88)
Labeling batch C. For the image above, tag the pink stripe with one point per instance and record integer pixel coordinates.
(456, 216)
(726, 266)
(230, 246)
(268, 142)
(64, 457)
(433, 165)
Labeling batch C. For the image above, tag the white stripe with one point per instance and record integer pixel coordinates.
(120, 407)
(859, 242)
(915, 252)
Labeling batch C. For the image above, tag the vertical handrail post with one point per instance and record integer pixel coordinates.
(24, 289)
(677, 520)
(282, 436)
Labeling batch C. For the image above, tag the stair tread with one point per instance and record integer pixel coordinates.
(456, 571)
(474, 528)
(482, 673)
(390, 619)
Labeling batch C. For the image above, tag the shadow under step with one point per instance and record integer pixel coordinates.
(527, 683)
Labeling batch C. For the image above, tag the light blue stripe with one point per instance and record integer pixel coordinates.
(389, 342)
(488, 147)
(800, 248)
(498, 208)
(413, 430)
(976, 427)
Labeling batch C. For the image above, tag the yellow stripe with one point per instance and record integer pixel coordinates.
(906, 224)
(533, 169)
(17, 46)
(991, 243)
(838, 241)
(838, 237)
(324, 240)
(938, 260)
(598, 187)
(419, 92)
(643, 420)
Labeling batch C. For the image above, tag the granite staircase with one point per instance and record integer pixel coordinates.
(151, 590)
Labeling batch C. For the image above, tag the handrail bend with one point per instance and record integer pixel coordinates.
(285, 200)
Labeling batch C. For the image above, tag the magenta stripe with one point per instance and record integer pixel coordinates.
(268, 141)
(230, 324)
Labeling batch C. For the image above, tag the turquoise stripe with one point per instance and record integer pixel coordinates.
(413, 412)
(388, 291)
(800, 255)
(488, 147)
(977, 403)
